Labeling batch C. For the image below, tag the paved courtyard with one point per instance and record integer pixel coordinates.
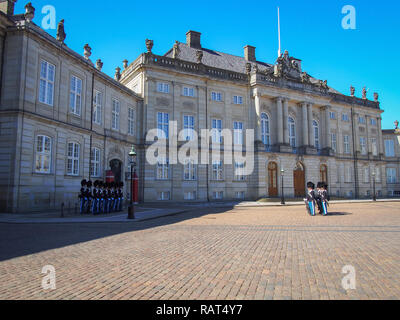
(241, 253)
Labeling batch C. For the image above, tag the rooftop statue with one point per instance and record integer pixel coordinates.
(61, 35)
(149, 45)
(175, 50)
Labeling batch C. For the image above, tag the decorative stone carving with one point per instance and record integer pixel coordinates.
(396, 123)
(323, 84)
(61, 35)
(87, 51)
(99, 64)
(125, 63)
(364, 93)
(175, 50)
(149, 45)
(305, 78)
(287, 67)
(29, 12)
(117, 75)
(352, 91)
(199, 56)
(248, 67)
(376, 96)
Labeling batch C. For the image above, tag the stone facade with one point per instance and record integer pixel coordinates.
(46, 138)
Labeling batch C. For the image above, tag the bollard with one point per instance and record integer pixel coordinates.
(62, 210)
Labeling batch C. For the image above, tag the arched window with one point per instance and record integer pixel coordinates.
(265, 129)
(316, 134)
(292, 132)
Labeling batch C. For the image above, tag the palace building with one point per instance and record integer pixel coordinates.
(63, 120)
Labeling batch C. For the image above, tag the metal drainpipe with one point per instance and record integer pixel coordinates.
(91, 125)
(354, 156)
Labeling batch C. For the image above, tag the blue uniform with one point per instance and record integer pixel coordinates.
(310, 198)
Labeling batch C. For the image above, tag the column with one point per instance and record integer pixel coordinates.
(280, 119)
(328, 127)
(310, 126)
(380, 140)
(305, 124)
(285, 121)
(356, 137)
(257, 119)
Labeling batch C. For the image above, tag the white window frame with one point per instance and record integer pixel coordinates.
(73, 153)
(216, 130)
(374, 146)
(334, 142)
(164, 196)
(363, 145)
(75, 95)
(131, 121)
(316, 134)
(345, 117)
(189, 195)
(97, 107)
(237, 100)
(95, 158)
(391, 175)
(46, 81)
(265, 129)
(218, 195)
(389, 148)
(217, 170)
(188, 127)
(366, 175)
(43, 153)
(238, 128)
(361, 120)
(373, 122)
(216, 96)
(292, 132)
(346, 144)
(189, 170)
(239, 173)
(163, 87)
(163, 125)
(348, 174)
(240, 195)
(115, 114)
(332, 115)
(163, 169)
(188, 91)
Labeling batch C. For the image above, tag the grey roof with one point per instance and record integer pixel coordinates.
(224, 61)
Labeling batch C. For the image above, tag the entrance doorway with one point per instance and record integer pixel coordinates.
(299, 179)
(116, 168)
(324, 173)
(272, 179)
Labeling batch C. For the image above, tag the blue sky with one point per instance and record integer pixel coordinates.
(311, 30)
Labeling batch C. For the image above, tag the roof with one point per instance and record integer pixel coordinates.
(224, 61)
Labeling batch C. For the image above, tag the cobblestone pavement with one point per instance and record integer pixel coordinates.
(242, 253)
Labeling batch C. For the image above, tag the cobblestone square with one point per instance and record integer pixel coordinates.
(237, 253)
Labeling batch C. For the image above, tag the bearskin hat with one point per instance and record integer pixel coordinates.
(121, 184)
(83, 182)
(101, 184)
(320, 185)
(310, 185)
(324, 185)
(112, 184)
(96, 183)
(89, 183)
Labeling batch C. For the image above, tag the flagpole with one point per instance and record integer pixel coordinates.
(279, 34)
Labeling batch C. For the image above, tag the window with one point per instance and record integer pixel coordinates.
(163, 125)
(97, 107)
(190, 195)
(389, 148)
(348, 174)
(115, 114)
(237, 133)
(373, 122)
(164, 195)
(374, 147)
(363, 145)
(391, 175)
(377, 174)
(46, 87)
(292, 132)
(333, 142)
(217, 170)
(239, 171)
(75, 96)
(131, 121)
(95, 162)
(188, 92)
(216, 96)
(216, 131)
(316, 134)
(218, 195)
(73, 159)
(237, 100)
(43, 154)
(346, 144)
(240, 195)
(366, 175)
(332, 115)
(189, 170)
(188, 127)
(265, 129)
(345, 117)
(163, 87)
(361, 120)
(163, 169)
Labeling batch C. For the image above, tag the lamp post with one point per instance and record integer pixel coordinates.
(132, 160)
(283, 196)
(373, 186)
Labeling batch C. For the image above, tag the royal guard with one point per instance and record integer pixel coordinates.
(121, 196)
(324, 198)
(110, 197)
(94, 197)
(318, 197)
(310, 198)
(105, 196)
(99, 197)
(82, 196)
(116, 197)
(88, 194)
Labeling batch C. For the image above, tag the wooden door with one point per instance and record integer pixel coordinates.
(299, 182)
(324, 173)
(272, 179)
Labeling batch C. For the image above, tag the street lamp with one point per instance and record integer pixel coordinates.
(373, 185)
(132, 161)
(283, 196)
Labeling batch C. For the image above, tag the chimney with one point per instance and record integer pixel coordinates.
(7, 6)
(193, 39)
(250, 53)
